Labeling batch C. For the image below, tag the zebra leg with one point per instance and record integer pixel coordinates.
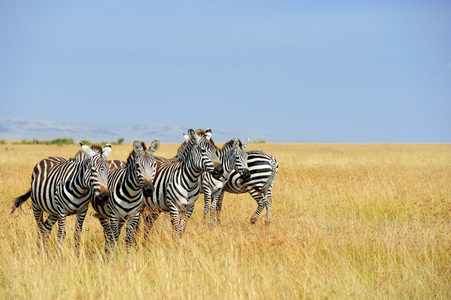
(268, 206)
(150, 215)
(108, 234)
(257, 195)
(61, 233)
(47, 228)
(185, 218)
(175, 220)
(118, 231)
(78, 229)
(130, 236)
(115, 230)
(207, 198)
(41, 232)
(219, 206)
(213, 211)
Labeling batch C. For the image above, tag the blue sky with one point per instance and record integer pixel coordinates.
(301, 71)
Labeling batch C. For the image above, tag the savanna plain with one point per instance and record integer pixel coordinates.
(347, 221)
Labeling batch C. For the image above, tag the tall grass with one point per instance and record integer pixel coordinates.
(348, 221)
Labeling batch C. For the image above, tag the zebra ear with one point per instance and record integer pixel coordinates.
(246, 143)
(186, 137)
(106, 151)
(236, 143)
(137, 146)
(208, 134)
(88, 151)
(193, 135)
(154, 145)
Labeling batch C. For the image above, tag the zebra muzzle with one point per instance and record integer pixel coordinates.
(148, 189)
(246, 175)
(218, 170)
(102, 196)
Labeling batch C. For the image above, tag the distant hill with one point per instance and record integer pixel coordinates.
(29, 129)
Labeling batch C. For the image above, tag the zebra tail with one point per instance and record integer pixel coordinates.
(20, 200)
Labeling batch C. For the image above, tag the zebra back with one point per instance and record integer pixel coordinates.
(116, 164)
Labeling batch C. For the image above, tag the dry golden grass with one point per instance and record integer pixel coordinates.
(348, 221)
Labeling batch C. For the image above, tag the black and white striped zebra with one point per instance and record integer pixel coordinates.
(177, 185)
(263, 172)
(63, 187)
(233, 157)
(128, 186)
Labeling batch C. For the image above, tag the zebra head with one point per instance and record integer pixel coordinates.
(240, 158)
(204, 151)
(144, 164)
(96, 160)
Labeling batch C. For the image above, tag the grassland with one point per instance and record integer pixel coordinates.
(348, 221)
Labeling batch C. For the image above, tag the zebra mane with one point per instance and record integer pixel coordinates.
(229, 144)
(78, 157)
(182, 151)
(97, 148)
(81, 156)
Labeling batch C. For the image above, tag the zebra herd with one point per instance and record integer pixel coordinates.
(146, 185)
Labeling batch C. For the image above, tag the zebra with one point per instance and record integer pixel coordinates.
(263, 172)
(63, 187)
(233, 158)
(177, 184)
(127, 186)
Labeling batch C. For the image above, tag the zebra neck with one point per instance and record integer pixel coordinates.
(228, 163)
(187, 167)
(82, 178)
(131, 178)
(227, 158)
(225, 149)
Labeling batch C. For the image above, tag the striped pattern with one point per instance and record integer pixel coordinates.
(263, 172)
(177, 184)
(116, 164)
(233, 157)
(63, 187)
(127, 188)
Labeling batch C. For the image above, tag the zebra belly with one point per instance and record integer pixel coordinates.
(125, 209)
(158, 200)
